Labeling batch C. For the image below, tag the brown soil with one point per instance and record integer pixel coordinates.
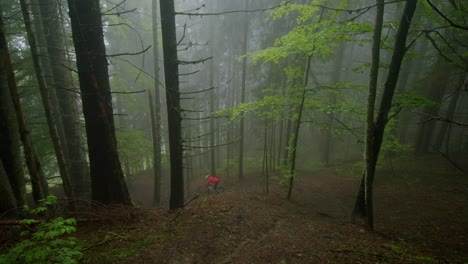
(420, 217)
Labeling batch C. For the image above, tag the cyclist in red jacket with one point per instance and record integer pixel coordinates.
(212, 181)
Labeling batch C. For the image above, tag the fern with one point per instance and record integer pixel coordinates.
(47, 244)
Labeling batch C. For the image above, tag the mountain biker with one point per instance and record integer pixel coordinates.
(212, 181)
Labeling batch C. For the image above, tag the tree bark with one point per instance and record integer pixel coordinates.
(46, 102)
(156, 123)
(171, 71)
(370, 159)
(242, 99)
(62, 83)
(107, 179)
(7, 197)
(295, 134)
(10, 154)
(374, 137)
(40, 190)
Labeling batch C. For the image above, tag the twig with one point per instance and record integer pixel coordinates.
(229, 12)
(451, 162)
(130, 53)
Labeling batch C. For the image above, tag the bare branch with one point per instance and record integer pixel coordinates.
(130, 54)
(136, 92)
(452, 162)
(119, 13)
(213, 146)
(442, 119)
(230, 12)
(201, 91)
(190, 73)
(194, 62)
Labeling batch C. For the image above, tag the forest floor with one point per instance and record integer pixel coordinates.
(421, 216)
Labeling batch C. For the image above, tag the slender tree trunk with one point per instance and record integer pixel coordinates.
(10, 152)
(242, 99)
(72, 141)
(171, 71)
(370, 159)
(445, 127)
(46, 102)
(39, 190)
(375, 137)
(107, 179)
(295, 135)
(156, 155)
(156, 123)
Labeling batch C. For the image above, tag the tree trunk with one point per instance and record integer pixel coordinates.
(171, 71)
(107, 179)
(46, 102)
(156, 123)
(374, 138)
(7, 197)
(295, 134)
(370, 159)
(156, 155)
(10, 152)
(242, 99)
(62, 83)
(39, 190)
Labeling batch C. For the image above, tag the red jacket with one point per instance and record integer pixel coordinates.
(211, 179)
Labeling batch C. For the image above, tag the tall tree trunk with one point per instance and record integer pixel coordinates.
(370, 159)
(7, 197)
(67, 99)
(295, 134)
(107, 179)
(10, 152)
(242, 99)
(46, 102)
(37, 177)
(374, 138)
(437, 84)
(171, 71)
(156, 123)
(445, 127)
(156, 155)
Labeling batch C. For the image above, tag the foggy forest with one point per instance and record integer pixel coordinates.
(233, 131)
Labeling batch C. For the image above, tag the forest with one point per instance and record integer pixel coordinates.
(221, 131)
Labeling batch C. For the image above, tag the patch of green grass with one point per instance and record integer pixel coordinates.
(394, 248)
(132, 247)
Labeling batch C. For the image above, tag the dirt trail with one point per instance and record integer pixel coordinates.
(421, 220)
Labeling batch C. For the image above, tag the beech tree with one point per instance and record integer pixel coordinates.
(375, 128)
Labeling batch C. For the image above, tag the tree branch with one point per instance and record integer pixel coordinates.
(445, 17)
(229, 12)
(194, 62)
(130, 53)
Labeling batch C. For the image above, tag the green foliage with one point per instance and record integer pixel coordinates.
(134, 146)
(413, 100)
(311, 35)
(394, 248)
(285, 175)
(47, 243)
